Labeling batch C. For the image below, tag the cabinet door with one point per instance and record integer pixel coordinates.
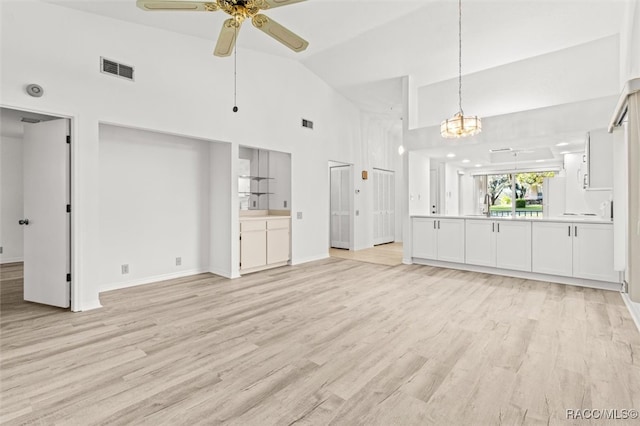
(552, 248)
(424, 238)
(253, 244)
(451, 240)
(593, 252)
(277, 241)
(513, 245)
(480, 243)
(277, 246)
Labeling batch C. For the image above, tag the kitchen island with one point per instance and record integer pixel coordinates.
(574, 250)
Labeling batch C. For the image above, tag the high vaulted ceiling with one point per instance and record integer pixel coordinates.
(364, 47)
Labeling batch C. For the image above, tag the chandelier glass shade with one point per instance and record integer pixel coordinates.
(460, 125)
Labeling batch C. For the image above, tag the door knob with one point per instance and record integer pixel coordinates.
(23, 221)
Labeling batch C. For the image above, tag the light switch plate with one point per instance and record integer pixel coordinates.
(299, 215)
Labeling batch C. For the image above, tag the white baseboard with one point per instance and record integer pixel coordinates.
(309, 259)
(11, 260)
(221, 273)
(633, 307)
(88, 306)
(601, 285)
(153, 279)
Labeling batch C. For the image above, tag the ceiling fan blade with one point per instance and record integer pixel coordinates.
(199, 6)
(227, 38)
(270, 4)
(280, 33)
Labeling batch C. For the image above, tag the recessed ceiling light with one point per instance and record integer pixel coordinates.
(565, 152)
(562, 144)
(451, 155)
(466, 160)
(401, 150)
(478, 165)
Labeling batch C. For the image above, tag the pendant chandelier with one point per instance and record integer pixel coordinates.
(460, 125)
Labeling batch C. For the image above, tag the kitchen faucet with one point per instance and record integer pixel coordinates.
(487, 204)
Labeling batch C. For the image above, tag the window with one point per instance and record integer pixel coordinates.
(515, 194)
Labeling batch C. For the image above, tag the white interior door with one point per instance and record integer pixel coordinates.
(383, 207)
(47, 256)
(340, 177)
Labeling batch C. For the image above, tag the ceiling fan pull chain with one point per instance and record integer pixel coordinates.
(235, 72)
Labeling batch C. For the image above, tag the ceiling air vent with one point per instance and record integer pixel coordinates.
(500, 150)
(307, 123)
(114, 68)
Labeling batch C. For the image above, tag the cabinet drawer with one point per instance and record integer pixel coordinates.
(253, 225)
(278, 223)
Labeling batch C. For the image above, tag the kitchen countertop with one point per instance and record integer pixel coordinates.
(570, 218)
(264, 217)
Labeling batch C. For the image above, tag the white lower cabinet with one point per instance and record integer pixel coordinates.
(277, 241)
(552, 248)
(253, 244)
(438, 239)
(480, 243)
(513, 245)
(580, 250)
(264, 243)
(501, 244)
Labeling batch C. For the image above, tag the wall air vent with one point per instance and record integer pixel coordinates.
(307, 123)
(501, 150)
(108, 66)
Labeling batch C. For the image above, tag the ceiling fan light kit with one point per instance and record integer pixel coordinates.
(240, 10)
(460, 125)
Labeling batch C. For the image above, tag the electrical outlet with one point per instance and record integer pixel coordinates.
(125, 269)
(299, 215)
(178, 261)
(1, 249)
(357, 212)
(254, 204)
(285, 204)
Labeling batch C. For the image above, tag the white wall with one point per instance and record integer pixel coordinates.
(280, 185)
(578, 73)
(451, 191)
(182, 89)
(630, 44)
(154, 206)
(11, 199)
(419, 188)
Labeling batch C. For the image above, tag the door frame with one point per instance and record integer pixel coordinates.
(74, 252)
(331, 164)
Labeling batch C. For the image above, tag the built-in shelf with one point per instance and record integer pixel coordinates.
(254, 177)
(254, 193)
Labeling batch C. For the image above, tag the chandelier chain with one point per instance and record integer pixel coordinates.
(460, 55)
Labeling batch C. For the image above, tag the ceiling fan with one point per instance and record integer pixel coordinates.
(239, 11)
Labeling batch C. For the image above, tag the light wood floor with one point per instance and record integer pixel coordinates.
(384, 254)
(329, 342)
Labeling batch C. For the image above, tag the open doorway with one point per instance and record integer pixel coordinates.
(384, 202)
(35, 232)
(341, 200)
